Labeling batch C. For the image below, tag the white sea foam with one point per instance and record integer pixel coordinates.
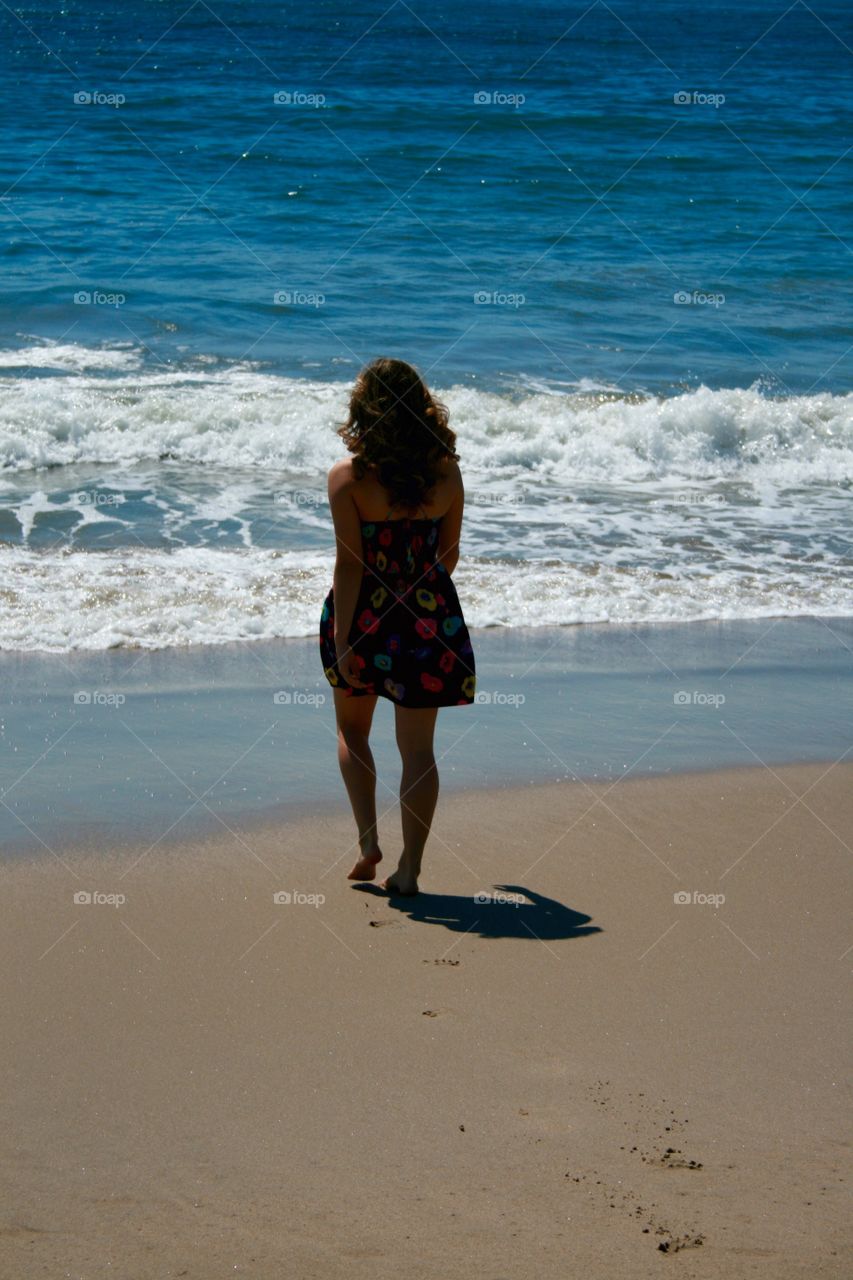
(188, 506)
(154, 599)
(72, 357)
(244, 418)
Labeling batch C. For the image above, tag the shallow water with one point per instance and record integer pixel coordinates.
(113, 749)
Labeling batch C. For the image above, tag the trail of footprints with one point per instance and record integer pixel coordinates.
(659, 1152)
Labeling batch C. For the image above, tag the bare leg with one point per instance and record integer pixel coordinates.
(418, 792)
(354, 717)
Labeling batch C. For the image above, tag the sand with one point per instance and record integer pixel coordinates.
(602, 1082)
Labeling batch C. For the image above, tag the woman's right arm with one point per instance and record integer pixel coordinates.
(451, 524)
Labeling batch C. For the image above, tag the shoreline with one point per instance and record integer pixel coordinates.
(594, 626)
(204, 1081)
(117, 748)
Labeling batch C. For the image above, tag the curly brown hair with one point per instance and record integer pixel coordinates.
(396, 427)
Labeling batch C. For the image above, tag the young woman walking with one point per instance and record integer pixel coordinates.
(392, 626)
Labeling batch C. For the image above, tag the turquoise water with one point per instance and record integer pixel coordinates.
(115, 750)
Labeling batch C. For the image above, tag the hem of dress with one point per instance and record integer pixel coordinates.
(414, 706)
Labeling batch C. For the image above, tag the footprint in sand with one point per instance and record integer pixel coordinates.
(621, 1197)
(676, 1244)
(672, 1159)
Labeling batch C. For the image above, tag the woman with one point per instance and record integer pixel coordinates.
(392, 626)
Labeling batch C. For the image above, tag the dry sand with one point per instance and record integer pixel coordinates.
(601, 1083)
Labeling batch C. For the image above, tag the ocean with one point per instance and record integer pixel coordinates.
(614, 237)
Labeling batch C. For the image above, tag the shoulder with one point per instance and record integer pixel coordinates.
(450, 473)
(342, 476)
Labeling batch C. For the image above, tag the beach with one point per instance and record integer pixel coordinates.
(607, 1039)
(578, 1075)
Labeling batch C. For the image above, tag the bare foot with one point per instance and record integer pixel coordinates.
(403, 881)
(365, 867)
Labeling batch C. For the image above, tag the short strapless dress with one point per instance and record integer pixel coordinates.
(408, 634)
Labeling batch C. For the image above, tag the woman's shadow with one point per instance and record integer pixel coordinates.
(505, 911)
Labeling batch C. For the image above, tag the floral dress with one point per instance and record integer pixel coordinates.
(408, 635)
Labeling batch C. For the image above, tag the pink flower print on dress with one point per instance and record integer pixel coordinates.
(368, 621)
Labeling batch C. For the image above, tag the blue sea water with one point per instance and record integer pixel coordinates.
(387, 188)
(616, 237)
